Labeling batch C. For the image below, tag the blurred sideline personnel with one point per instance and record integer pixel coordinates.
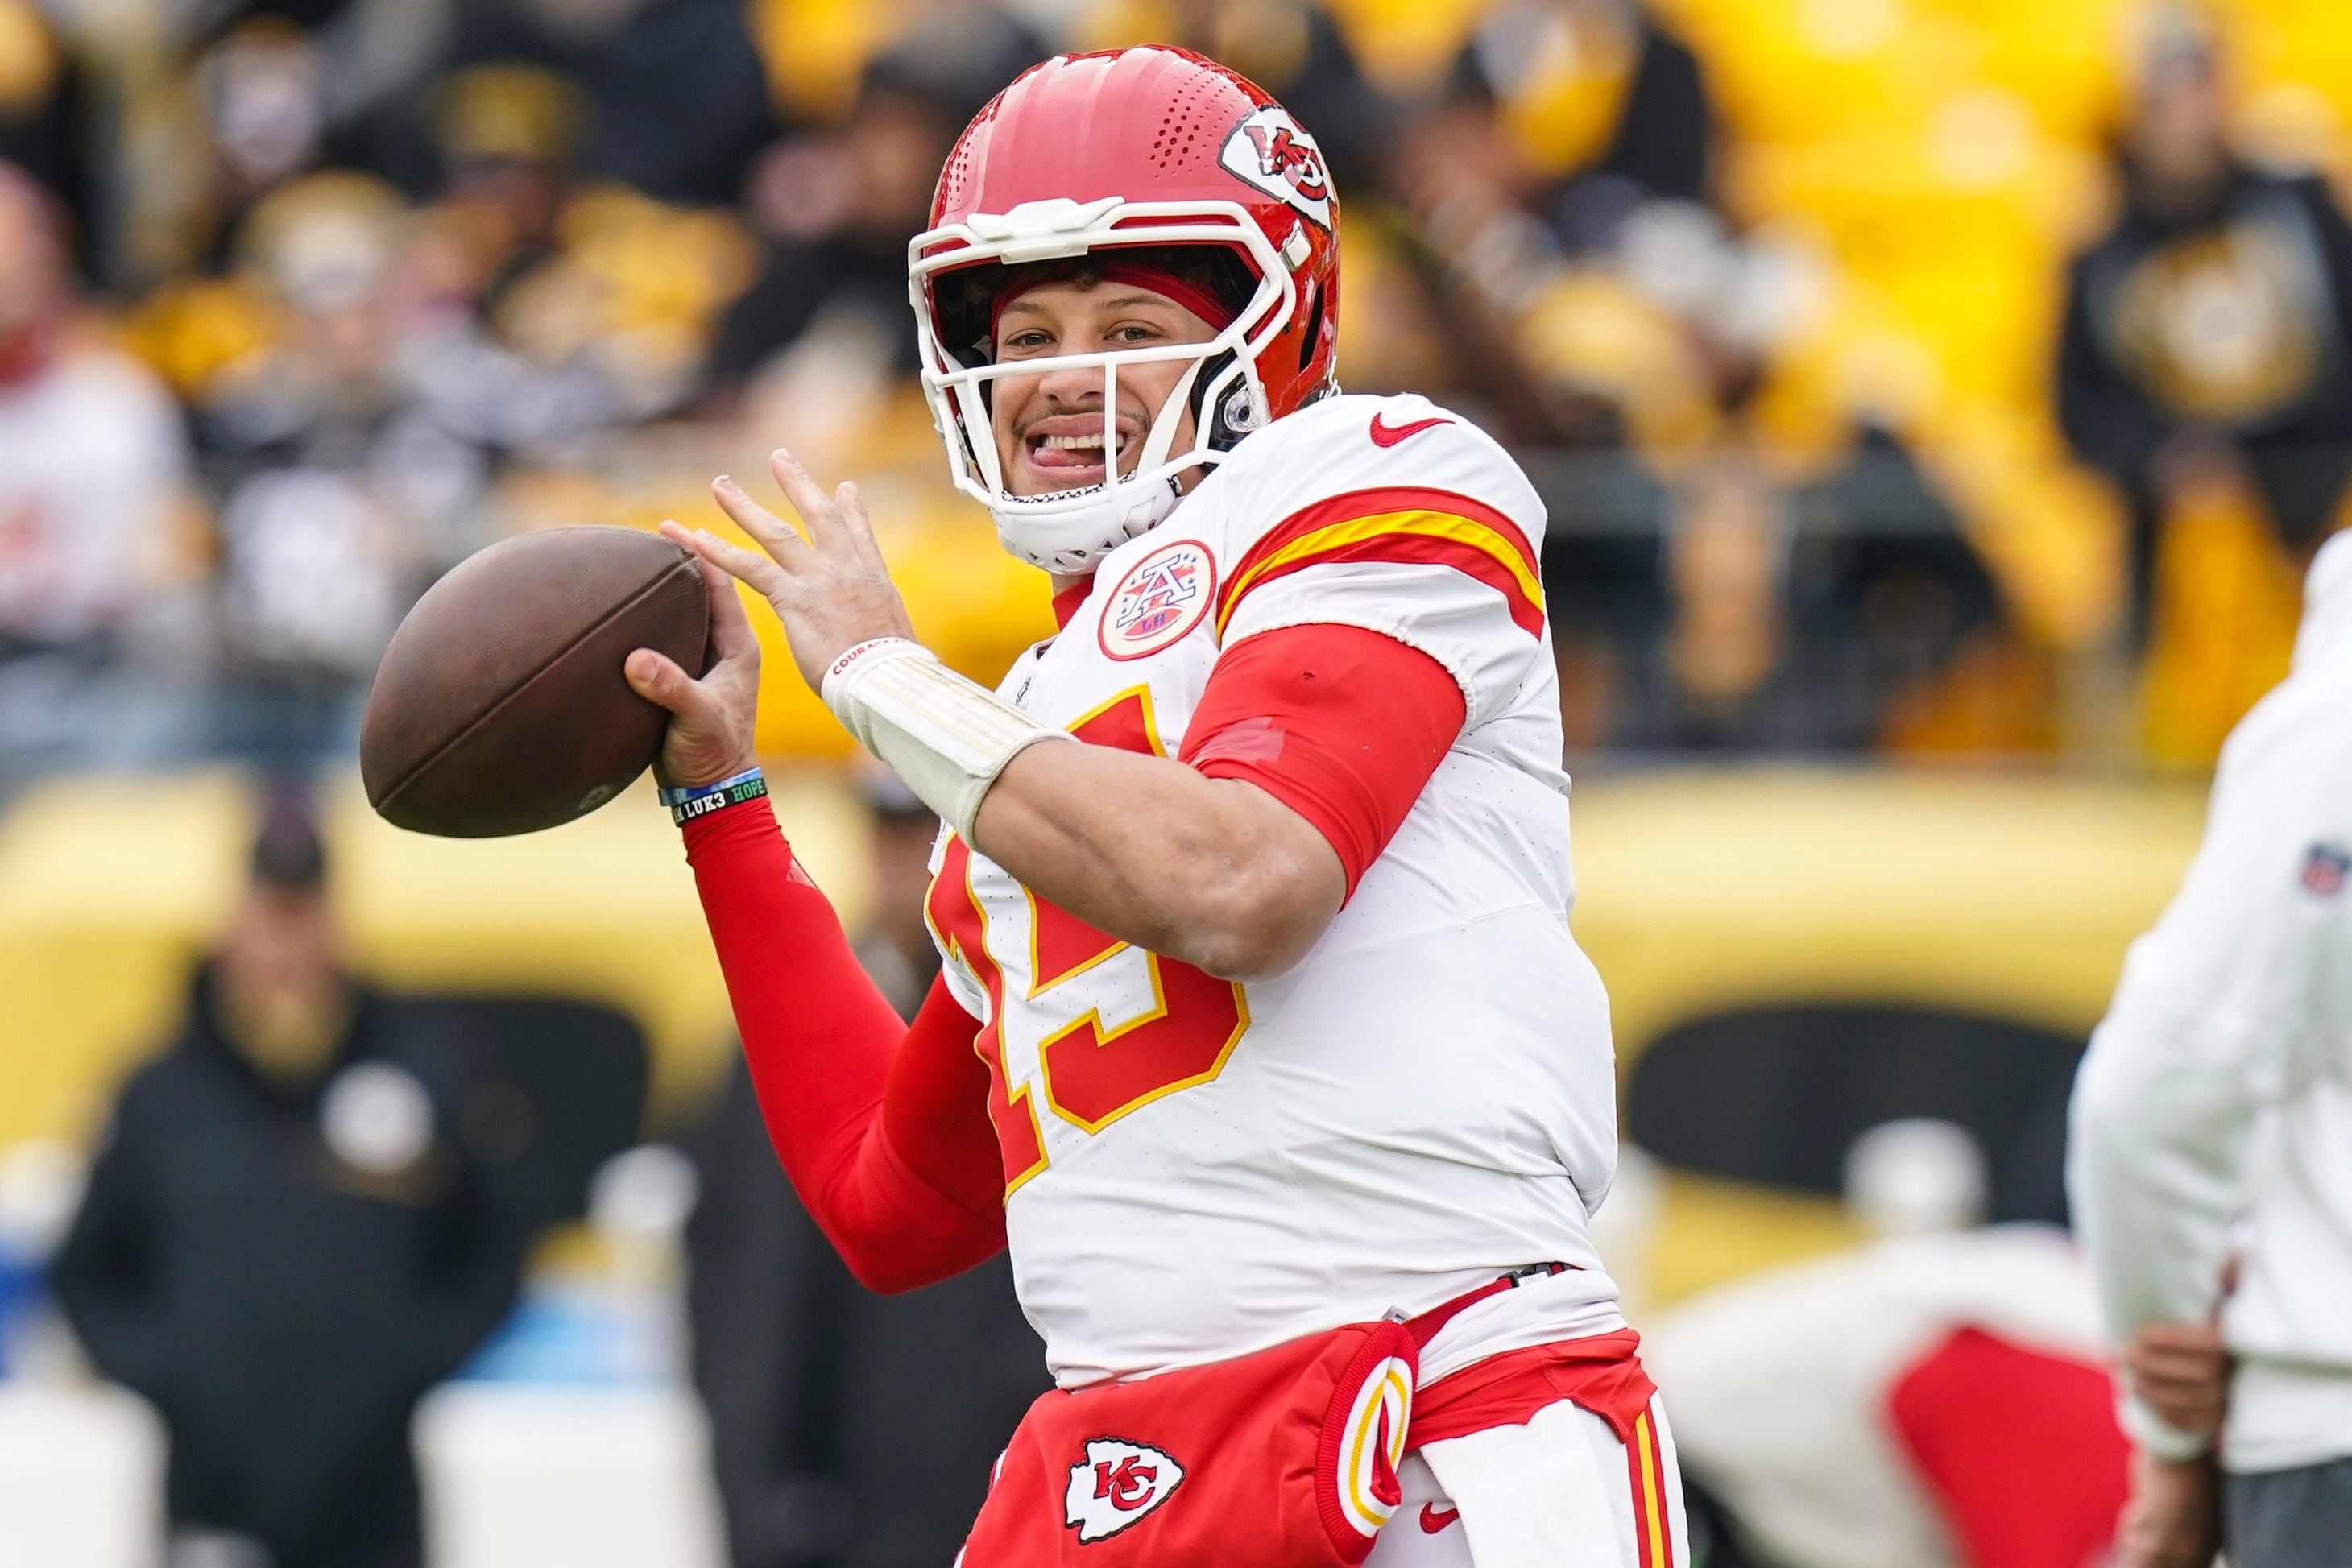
(1261, 1040)
(2230, 1019)
(2208, 337)
(281, 1247)
(1937, 1398)
(830, 1443)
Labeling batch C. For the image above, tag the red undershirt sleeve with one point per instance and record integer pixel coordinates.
(883, 1127)
(1342, 724)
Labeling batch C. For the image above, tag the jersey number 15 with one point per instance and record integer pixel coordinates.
(1091, 1074)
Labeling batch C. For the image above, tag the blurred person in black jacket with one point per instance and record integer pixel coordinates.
(835, 207)
(847, 1429)
(281, 1247)
(2206, 335)
(1603, 110)
(675, 97)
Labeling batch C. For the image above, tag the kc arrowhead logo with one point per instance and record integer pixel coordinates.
(1272, 151)
(1116, 1484)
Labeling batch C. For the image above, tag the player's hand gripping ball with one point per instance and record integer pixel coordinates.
(830, 591)
(500, 705)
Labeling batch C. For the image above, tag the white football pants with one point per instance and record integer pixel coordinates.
(1559, 1491)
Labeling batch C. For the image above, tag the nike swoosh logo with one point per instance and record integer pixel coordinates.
(1435, 1518)
(1390, 434)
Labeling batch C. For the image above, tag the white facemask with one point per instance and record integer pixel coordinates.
(1068, 531)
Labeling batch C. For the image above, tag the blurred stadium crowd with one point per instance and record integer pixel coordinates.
(1923, 378)
(302, 300)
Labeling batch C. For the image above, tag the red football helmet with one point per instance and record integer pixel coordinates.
(1145, 147)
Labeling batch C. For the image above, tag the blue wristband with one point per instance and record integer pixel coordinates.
(700, 799)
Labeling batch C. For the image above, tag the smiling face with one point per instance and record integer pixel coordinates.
(1049, 426)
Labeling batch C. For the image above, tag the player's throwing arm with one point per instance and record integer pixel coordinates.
(1215, 872)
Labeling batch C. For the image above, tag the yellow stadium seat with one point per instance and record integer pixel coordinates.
(815, 50)
(1406, 45)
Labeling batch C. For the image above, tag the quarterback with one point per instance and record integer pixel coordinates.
(1261, 1043)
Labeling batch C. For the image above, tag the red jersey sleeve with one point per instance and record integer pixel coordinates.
(1342, 724)
(882, 1127)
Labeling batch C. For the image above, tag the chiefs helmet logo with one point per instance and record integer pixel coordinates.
(1116, 1484)
(1288, 153)
(1270, 151)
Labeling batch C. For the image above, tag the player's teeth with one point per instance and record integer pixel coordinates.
(1075, 442)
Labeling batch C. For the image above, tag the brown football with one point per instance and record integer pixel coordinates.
(500, 706)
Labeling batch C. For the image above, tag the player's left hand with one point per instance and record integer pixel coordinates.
(2174, 1518)
(830, 589)
(2182, 1372)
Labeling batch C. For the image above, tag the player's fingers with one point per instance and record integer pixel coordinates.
(732, 638)
(730, 629)
(2193, 1411)
(2173, 1352)
(2177, 1364)
(2183, 1403)
(657, 678)
(857, 524)
(2160, 1387)
(2199, 1415)
(808, 498)
(2205, 1335)
(778, 538)
(759, 572)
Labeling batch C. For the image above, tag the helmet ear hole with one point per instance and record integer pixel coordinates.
(1236, 413)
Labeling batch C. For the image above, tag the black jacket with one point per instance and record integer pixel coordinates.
(2124, 387)
(848, 1428)
(282, 1308)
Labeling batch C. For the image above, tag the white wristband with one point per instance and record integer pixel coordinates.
(946, 737)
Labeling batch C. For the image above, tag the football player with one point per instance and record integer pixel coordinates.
(1262, 1040)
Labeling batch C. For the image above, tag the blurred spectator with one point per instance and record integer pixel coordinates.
(835, 207)
(265, 95)
(675, 100)
(2208, 338)
(1560, 121)
(832, 1443)
(282, 1246)
(1898, 627)
(1292, 48)
(338, 486)
(1604, 108)
(92, 469)
(44, 102)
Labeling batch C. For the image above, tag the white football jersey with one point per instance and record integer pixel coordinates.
(1196, 1169)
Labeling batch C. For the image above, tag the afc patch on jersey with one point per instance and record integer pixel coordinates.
(1116, 1484)
(1160, 601)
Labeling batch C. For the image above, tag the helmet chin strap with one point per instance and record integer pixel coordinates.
(1072, 541)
